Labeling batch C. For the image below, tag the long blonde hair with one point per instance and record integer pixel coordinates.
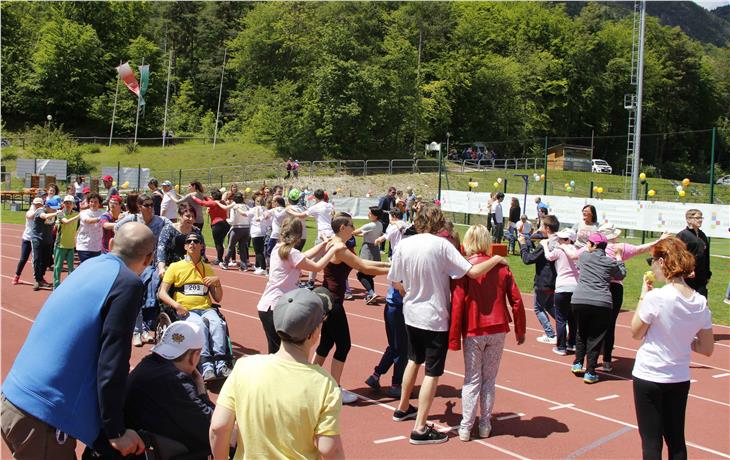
(289, 235)
(477, 240)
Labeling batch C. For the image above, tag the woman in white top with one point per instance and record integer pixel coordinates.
(239, 234)
(25, 246)
(565, 255)
(91, 232)
(259, 222)
(587, 225)
(673, 321)
(278, 215)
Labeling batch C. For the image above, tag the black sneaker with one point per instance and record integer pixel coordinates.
(408, 414)
(429, 436)
(373, 382)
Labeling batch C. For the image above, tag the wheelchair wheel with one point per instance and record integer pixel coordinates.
(163, 321)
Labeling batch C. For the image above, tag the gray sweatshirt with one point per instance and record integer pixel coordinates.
(596, 272)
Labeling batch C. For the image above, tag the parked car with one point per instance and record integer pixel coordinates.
(724, 180)
(601, 166)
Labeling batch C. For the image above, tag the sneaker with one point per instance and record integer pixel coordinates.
(348, 295)
(464, 434)
(243, 268)
(559, 351)
(259, 271)
(16, 279)
(727, 301)
(549, 340)
(36, 286)
(577, 368)
(408, 414)
(373, 382)
(393, 391)
(570, 348)
(208, 375)
(590, 378)
(607, 367)
(136, 340)
(224, 371)
(485, 431)
(147, 337)
(223, 266)
(370, 299)
(348, 397)
(233, 264)
(429, 436)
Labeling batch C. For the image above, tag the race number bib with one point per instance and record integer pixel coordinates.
(195, 289)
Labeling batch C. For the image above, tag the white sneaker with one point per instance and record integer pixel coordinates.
(258, 271)
(485, 431)
(223, 266)
(348, 397)
(545, 339)
(233, 264)
(464, 434)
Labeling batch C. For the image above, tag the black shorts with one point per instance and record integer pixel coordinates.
(429, 347)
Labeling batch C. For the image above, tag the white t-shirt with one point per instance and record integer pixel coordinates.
(424, 263)
(673, 321)
(283, 277)
(79, 188)
(322, 211)
(168, 208)
(259, 221)
(394, 232)
(524, 227)
(278, 215)
(497, 211)
(89, 235)
(238, 216)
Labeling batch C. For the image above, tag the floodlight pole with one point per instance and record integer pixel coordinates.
(639, 96)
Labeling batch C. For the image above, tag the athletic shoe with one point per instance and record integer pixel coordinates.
(216, 262)
(429, 436)
(373, 382)
(727, 301)
(549, 340)
(208, 375)
(559, 351)
(590, 378)
(233, 264)
(223, 266)
(45, 284)
(348, 397)
(147, 337)
(348, 295)
(16, 280)
(393, 391)
(259, 271)
(370, 299)
(136, 340)
(570, 349)
(577, 368)
(607, 367)
(485, 431)
(464, 434)
(36, 286)
(224, 371)
(408, 414)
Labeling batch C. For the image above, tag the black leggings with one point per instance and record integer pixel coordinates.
(259, 243)
(25, 248)
(592, 323)
(367, 281)
(617, 296)
(220, 230)
(335, 332)
(564, 320)
(272, 338)
(660, 411)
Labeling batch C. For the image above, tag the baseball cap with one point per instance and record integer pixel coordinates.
(116, 198)
(566, 233)
(86, 190)
(38, 200)
(167, 183)
(300, 311)
(178, 338)
(107, 178)
(69, 198)
(610, 231)
(54, 202)
(294, 194)
(597, 238)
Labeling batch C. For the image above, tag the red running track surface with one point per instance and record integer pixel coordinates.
(541, 409)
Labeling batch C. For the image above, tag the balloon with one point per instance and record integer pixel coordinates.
(125, 185)
(572, 183)
(679, 188)
(495, 185)
(682, 193)
(499, 180)
(600, 190)
(542, 176)
(642, 176)
(114, 183)
(595, 189)
(177, 187)
(536, 177)
(685, 182)
(651, 192)
(473, 184)
(566, 185)
(248, 190)
(569, 189)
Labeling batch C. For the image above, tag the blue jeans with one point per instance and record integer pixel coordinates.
(396, 352)
(147, 316)
(215, 329)
(564, 320)
(84, 255)
(544, 306)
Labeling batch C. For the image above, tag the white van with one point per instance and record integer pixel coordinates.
(601, 166)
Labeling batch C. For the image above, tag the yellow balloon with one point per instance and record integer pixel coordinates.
(685, 182)
(595, 189)
(651, 192)
(682, 193)
(642, 176)
(114, 183)
(125, 185)
(600, 189)
(495, 185)
(567, 185)
(248, 190)
(177, 187)
(542, 176)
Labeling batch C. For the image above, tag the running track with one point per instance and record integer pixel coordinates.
(541, 410)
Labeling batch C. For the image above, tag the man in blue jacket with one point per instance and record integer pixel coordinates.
(68, 380)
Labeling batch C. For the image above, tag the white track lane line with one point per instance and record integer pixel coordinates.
(394, 438)
(605, 398)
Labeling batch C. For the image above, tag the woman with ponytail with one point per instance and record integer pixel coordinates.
(287, 263)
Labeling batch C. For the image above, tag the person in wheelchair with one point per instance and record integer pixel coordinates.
(194, 289)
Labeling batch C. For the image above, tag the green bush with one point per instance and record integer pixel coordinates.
(132, 147)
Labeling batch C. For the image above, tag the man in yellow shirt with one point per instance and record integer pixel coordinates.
(284, 406)
(195, 288)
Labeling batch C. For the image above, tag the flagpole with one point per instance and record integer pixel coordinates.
(220, 93)
(139, 99)
(167, 97)
(114, 110)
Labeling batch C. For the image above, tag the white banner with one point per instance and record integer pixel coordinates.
(130, 175)
(655, 216)
(56, 168)
(356, 207)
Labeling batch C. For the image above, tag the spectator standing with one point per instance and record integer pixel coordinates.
(295, 169)
(168, 205)
(672, 322)
(284, 406)
(26, 245)
(84, 364)
(699, 246)
(288, 167)
(479, 317)
(498, 216)
(79, 187)
(514, 217)
(385, 204)
(65, 239)
(156, 195)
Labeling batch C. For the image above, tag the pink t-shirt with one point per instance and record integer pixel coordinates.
(283, 277)
(565, 267)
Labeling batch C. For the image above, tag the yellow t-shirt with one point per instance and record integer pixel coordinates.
(280, 407)
(187, 282)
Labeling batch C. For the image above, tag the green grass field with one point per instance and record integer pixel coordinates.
(524, 273)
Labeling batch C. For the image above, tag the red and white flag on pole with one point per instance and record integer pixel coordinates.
(127, 75)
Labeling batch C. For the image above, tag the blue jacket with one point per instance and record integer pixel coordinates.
(72, 369)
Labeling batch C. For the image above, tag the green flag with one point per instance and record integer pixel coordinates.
(144, 80)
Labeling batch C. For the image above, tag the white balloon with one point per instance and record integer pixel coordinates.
(499, 180)
(679, 188)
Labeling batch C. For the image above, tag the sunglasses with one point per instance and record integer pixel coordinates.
(192, 242)
(650, 260)
(147, 205)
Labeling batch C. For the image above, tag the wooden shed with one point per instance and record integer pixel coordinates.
(566, 157)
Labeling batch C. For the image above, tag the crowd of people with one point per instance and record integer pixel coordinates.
(146, 252)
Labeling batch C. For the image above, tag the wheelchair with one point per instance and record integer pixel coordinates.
(168, 315)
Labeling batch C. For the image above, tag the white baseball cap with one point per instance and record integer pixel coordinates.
(178, 338)
(567, 233)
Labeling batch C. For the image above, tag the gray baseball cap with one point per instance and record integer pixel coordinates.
(300, 311)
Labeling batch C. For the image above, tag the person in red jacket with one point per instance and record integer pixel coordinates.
(479, 316)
